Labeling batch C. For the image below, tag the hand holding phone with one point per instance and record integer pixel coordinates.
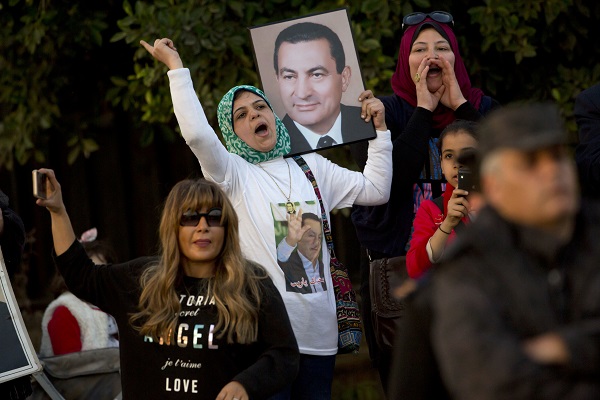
(40, 180)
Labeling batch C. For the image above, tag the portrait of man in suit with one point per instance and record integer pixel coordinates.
(310, 65)
(298, 254)
(310, 72)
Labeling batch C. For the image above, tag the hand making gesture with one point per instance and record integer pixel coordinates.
(295, 228)
(164, 51)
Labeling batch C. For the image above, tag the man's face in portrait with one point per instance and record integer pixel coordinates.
(309, 84)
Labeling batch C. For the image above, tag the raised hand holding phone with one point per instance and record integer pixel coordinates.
(39, 184)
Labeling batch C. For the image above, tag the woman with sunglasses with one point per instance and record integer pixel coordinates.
(267, 189)
(198, 320)
(431, 89)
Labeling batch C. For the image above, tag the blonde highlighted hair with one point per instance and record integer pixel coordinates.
(235, 286)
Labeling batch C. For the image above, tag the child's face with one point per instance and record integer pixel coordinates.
(453, 144)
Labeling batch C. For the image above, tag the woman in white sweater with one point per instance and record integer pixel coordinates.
(268, 191)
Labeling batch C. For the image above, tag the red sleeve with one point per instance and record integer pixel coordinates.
(424, 226)
(64, 332)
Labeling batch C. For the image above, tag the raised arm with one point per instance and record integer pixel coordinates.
(372, 186)
(197, 132)
(164, 51)
(378, 169)
(62, 230)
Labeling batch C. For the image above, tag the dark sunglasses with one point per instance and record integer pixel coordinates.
(192, 218)
(418, 17)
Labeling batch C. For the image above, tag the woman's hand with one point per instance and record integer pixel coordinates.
(372, 108)
(233, 391)
(54, 200)
(426, 99)
(452, 96)
(62, 230)
(295, 229)
(164, 51)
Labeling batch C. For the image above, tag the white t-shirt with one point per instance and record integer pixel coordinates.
(260, 205)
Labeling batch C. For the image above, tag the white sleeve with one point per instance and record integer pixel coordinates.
(284, 251)
(342, 187)
(198, 134)
(378, 171)
(430, 253)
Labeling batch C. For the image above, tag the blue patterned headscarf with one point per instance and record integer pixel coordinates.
(236, 145)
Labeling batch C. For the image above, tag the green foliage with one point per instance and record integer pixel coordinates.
(38, 41)
(214, 42)
(519, 50)
(537, 50)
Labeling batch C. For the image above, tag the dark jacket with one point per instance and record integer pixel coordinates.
(354, 128)
(295, 273)
(386, 228)
(505, 284)
(198, 363)
(415, 373)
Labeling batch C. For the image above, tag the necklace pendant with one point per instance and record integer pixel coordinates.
(291, 208)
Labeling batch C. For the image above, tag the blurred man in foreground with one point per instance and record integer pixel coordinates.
(516, 306)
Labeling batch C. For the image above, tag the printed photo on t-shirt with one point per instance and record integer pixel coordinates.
(299, 238)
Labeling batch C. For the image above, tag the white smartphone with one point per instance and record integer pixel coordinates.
(39, 184)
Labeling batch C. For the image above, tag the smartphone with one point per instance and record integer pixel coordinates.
(466, 180)
(39, 184)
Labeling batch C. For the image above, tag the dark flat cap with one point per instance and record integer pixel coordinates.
(524, 127)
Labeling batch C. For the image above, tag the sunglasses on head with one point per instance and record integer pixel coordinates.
(418, 17)
(192, 218)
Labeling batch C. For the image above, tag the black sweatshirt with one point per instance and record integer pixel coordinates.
(198, 364)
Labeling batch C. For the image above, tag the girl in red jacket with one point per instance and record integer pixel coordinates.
(437, 220)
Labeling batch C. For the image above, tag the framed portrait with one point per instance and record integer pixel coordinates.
(310, 72)
(18, 354)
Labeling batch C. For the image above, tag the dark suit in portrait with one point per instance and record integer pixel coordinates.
(354, 128)
(296, 279)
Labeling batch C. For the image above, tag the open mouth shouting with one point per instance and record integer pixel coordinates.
(434, 70)
(261, 129)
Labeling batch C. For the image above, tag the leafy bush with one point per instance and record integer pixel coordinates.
(61, 79)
